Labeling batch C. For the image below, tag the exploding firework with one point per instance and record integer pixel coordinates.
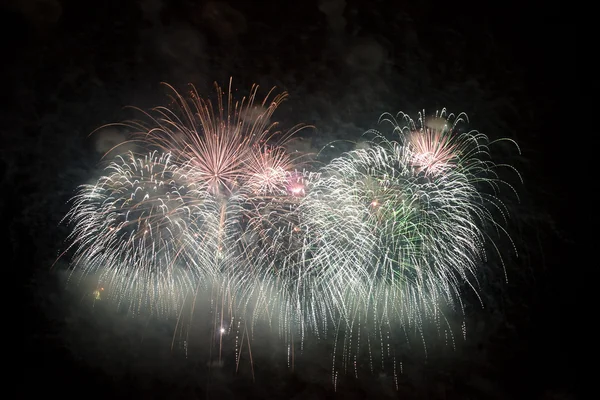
(382, 239)
(140, 230)
(393, 234)
(226, 143)
(208, 210)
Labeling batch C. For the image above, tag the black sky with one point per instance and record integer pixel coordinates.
(70, 66)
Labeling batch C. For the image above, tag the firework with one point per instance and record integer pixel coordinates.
(383, 238)
(393, 234)
(209, 209)
(225, 143)
(140, 231)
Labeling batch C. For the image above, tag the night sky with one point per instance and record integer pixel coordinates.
(72, 66)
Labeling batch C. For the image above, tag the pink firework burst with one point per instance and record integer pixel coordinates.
(268, 171)
(433, 147)
(226, 142)
(296, 184)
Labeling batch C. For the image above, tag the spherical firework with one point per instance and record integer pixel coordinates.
(395, 232)
(140, 229)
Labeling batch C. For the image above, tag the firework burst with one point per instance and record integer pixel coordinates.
(225, 143)
(380, 240)
(208, 210)
(393, 234)
(139, 229)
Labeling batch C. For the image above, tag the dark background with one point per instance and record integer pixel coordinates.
(70, 67)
